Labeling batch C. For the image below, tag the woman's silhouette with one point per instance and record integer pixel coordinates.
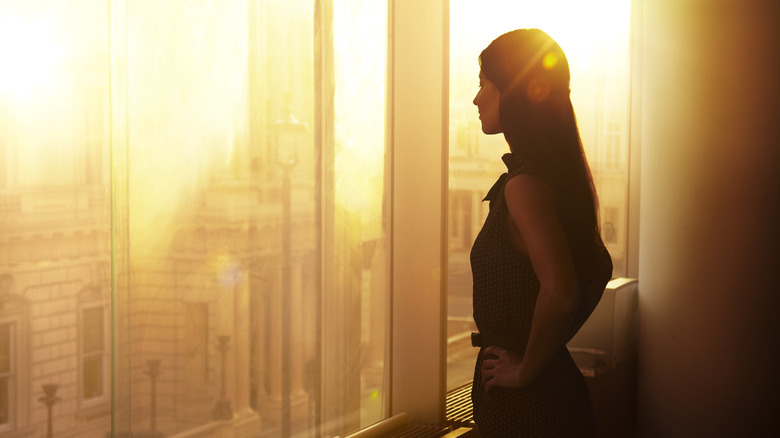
(539, 263)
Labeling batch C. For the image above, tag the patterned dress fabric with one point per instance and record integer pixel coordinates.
(557, 403)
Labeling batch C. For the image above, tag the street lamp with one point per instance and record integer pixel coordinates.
(288, 134)
(153, 372)
(49, 398)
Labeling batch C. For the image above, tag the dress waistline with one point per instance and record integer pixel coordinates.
(486, 340)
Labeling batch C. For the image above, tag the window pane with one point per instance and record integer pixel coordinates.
(92, 330)
(5, 348)
(254, 184)
(92, 377)
(596, 43)
(55, 208)
(227, 160)
(358, 247)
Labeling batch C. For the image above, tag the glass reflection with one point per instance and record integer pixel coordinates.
(188, 240)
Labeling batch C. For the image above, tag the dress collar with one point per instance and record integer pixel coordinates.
(509, 162)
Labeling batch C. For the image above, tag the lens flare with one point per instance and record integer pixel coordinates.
(226, 269)
(549, 61)
(538, 89)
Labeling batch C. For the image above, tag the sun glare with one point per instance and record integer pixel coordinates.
(359, 46)
(550, 61)
(28, 53)
(579, 27)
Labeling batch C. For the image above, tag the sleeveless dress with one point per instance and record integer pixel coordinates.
(557, 403)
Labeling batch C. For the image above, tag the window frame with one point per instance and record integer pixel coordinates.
(418, 126)
(418, 113)
(90, 298)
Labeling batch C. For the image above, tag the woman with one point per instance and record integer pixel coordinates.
(539, 264)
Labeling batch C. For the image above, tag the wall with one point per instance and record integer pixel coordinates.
(709, 217)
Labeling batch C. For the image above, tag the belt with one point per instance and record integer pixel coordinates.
(486, 340)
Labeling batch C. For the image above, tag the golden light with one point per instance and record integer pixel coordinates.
(549, 61)
(360, 54)
(28, 53)
(580, 28)
(594, 36)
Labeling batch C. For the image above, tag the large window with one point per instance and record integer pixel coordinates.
(252, 198)
(227, 159)
(595, 37)
(230, 161)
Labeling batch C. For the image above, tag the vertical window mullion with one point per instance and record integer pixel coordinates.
(419, 75)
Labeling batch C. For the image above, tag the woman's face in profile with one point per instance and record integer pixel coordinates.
(487, 100)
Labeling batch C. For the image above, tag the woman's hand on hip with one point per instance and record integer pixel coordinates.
(501, 368)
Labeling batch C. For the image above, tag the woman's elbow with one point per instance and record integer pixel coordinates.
(564, 297)
(569, 301)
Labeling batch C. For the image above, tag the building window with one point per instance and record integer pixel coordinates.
(93, 353)
(7, 375)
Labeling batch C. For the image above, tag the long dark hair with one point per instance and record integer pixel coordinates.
(532, 75)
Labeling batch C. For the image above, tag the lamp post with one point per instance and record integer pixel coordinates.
(288, 132)
(50, 397)
(153, 372)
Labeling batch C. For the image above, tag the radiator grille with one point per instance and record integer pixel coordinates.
(458, 421)
(458, 409)
(457, 413)
(415, 430)
(430, 431)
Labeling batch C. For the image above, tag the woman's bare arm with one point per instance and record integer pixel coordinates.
(531, 205)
